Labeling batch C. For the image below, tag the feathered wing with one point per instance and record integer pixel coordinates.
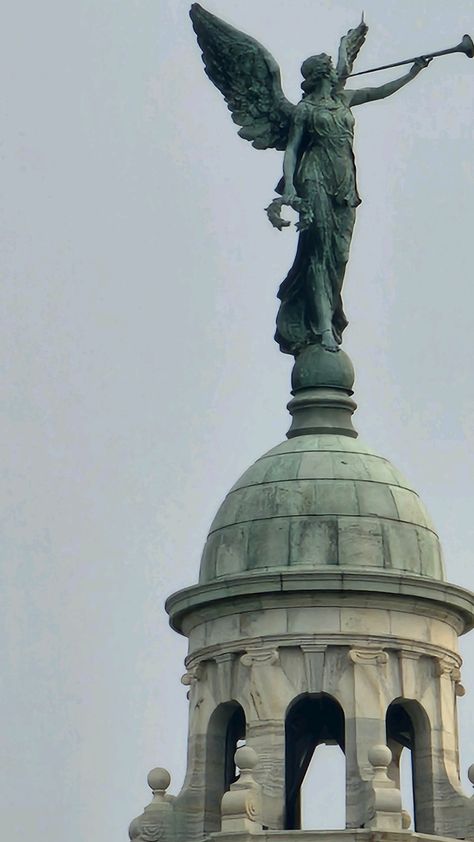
(349, 49)
(248, 77)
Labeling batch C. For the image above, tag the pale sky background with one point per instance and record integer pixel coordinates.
(139, 373)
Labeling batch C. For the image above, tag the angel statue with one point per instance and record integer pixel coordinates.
(319, 174)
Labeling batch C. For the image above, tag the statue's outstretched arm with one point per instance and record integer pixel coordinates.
(371, 94)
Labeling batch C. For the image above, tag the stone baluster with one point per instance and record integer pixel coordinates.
(386, 809)
(242, 805)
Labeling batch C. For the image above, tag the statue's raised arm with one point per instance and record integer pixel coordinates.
(248, 77)
(349, 50)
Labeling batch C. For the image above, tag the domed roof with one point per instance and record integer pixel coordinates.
(316, 501)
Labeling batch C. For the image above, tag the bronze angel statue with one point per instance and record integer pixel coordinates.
(319, 173)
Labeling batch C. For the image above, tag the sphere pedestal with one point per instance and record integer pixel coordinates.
(315, 367)
(322, 384)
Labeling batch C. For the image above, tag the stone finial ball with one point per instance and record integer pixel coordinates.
(470, 774)
(380, 755)
(406, 820)
(246, 758)
(159, 779)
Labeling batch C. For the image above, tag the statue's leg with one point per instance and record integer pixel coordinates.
(344, 218)
(320, 300)
(291, 331)
(320, 305)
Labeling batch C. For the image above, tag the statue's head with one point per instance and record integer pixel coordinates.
(316, 68)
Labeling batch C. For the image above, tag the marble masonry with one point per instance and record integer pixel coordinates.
(322, 614)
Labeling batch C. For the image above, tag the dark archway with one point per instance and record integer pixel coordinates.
(226, 729)
(310, 721)
(408, 728)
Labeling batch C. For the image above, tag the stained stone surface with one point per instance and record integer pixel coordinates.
(322, 577)
(365, 649)
(317, 501)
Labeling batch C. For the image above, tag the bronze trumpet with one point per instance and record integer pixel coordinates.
(466, 46)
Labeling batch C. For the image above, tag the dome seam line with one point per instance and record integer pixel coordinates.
(272, 454)
(325, 515)
(322, 479)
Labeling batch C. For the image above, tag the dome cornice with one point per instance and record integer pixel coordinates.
(424, 595)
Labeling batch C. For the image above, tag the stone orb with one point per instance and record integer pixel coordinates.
(380, 755)
(246, 757)
(315, 367)
(159, 779)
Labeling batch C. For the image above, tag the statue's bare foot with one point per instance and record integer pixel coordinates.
(328, 342)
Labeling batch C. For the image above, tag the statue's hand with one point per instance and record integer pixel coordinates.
(290, 198)
(419, 65)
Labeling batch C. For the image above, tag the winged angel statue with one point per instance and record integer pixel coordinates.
(319, 174)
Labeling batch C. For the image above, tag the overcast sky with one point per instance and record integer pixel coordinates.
(139, 373)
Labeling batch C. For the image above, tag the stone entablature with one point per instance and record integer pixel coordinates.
(325, 601)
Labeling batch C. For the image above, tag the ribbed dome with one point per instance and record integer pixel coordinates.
(317, 501)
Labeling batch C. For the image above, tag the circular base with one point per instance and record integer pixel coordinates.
(315, 367)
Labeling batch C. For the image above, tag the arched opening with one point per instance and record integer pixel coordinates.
(225, 732)
(409, 739)
(311, 721)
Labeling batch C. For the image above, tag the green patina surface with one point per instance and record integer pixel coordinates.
(319, 501)
(319, 174)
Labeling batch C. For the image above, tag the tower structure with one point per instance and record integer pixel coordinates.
(322, 614)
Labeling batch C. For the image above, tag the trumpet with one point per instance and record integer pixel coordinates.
(465, 46)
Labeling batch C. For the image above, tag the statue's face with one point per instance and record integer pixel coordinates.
(316, 68)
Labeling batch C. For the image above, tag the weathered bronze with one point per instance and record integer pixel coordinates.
(465, 46)
(319, 175)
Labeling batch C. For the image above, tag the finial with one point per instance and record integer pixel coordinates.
(246, 758)
(380, 757)
(159, 780)
(386, 809)
(157, 820)
(470, 773)
(322, 384)
(406, 820)
(241, 805)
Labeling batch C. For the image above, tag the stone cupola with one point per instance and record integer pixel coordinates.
(321, 615)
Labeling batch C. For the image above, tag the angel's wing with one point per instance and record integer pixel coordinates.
(248, 77)
(349, 48)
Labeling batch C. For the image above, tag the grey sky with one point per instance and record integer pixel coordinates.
(139, 374)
